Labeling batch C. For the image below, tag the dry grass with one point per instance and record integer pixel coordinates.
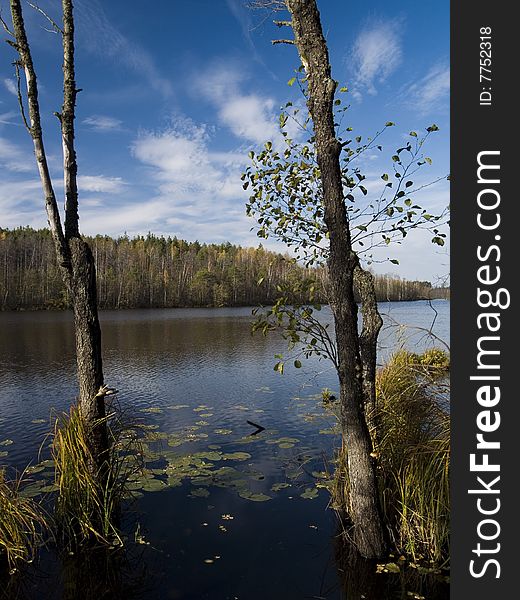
(22, 523)
(412, 447)
(88, 502)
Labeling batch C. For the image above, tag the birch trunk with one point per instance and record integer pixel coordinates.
(343, 262)
(73, 253)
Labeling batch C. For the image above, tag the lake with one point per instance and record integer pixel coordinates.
(193, 378)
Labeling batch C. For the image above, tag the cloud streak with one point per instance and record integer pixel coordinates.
(376, 54)
(102, 123)
(431, 92)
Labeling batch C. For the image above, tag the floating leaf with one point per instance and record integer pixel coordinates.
(199, 493)
(276, 487)
(249, 495)
(153, 485)
(223, 431)
(310, 494)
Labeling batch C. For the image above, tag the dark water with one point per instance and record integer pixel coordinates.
(197, 376)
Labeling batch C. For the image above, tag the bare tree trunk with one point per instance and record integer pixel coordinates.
(372, 323)
(73, 253)
(363, 497)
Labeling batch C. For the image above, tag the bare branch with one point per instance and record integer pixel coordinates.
(5, 26)
(55, 27)
(274, 5)
(274, 42)
(35, 130)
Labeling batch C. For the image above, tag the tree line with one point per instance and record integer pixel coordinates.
(155, 272)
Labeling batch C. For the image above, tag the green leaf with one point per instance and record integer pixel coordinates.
(394, 261)
(428, 160)
(291, 81)
(384, 176)
(389, 124)
(413, 133)
(297, 364)
(279, 367)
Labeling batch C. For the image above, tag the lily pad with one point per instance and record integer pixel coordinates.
(276, 487)
(249, 495)
(310, 494)
(153, 485)
(199, 493)
(237, 456)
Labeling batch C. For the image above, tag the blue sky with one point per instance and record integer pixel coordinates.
(174, 98)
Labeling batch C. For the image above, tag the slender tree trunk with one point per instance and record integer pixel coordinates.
(372, 323)
(73, 253)
(363, 496)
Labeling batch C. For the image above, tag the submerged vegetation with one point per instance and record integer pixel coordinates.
(412, 452)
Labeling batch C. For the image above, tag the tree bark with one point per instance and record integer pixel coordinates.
(372, 323)
(363, 497)
(73, 253)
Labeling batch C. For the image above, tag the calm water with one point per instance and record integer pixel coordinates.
(193, 378)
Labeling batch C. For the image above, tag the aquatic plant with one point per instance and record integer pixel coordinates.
(22, 523)
(88, 502)
(412, 453)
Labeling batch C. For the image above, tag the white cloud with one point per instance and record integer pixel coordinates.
(10, 86)
(103, 123)
(198, 193)
(376, 55)
(430, 93)
(14, 159)
(251, 117)
(100, 183)
(10, 118)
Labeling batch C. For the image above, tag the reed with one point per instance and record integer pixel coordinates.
(412, 450)
(88, 501)
(22, 523)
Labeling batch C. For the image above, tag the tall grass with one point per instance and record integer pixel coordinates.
(412, 449)
(22, 523)
(88, 502)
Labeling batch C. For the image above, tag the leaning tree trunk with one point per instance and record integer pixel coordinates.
(363, 507)
(73, 253)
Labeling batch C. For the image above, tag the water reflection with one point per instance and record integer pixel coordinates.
(172, 367)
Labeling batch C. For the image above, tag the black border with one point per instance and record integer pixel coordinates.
(475, 128)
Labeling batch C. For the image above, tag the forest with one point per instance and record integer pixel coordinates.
(158, 272)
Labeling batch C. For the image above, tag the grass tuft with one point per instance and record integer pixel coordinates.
(88, 502)
(412, 449)
(22, 523)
